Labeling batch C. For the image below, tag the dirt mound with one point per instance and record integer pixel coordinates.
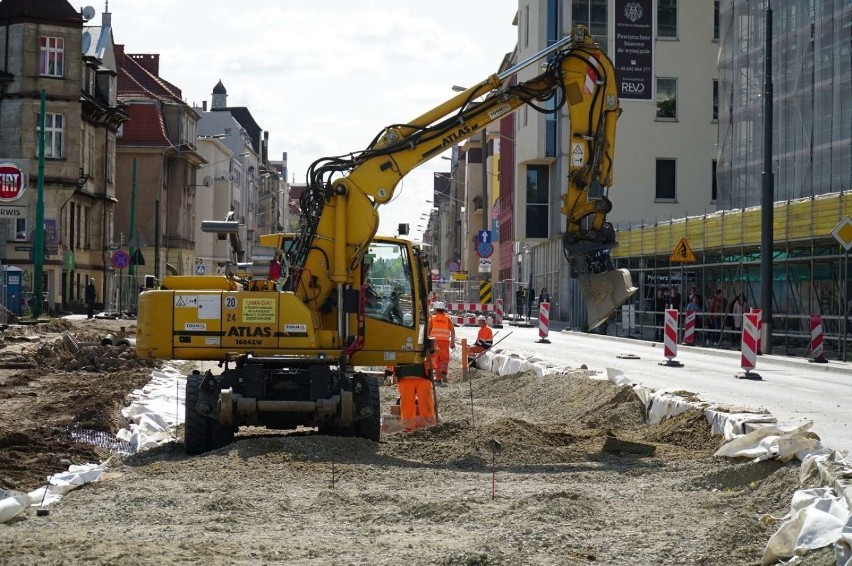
(48, 401)
(689, 430)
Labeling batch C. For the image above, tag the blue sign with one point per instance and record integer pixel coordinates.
(484, 237)
(484, 249)
(120, 259)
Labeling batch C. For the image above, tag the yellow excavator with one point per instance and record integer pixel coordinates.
(292, 348)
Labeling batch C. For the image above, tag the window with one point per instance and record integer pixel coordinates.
(526, 26)
(714, 186)
(538, 193)
(666, 99)
(54, 127)
(715, 20)
(51, 62)
(592, 14)
(21, 234)
(666, 180)
(715, 99)
(667, 18)
(387, 280)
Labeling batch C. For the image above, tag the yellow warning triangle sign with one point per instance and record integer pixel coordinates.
(682, 252)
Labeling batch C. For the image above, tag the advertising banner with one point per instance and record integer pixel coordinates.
(634, 49)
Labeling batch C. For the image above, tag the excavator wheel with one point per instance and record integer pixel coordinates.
(369, 427)
(201, 434)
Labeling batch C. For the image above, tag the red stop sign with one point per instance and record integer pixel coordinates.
(12, 181)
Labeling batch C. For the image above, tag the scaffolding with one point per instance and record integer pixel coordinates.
(810, 271)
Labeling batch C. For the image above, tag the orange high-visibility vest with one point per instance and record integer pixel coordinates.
(441, 327)
(485, 336)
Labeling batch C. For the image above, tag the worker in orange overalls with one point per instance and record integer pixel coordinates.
(484, 339)
(442, 330)
(416, 395)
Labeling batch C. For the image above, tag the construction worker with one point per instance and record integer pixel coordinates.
(484, 339)
(442, 330)
(416, 401)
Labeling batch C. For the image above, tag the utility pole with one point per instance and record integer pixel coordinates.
(767, 200)
(133, 248)
(484, 180)
(38, 236)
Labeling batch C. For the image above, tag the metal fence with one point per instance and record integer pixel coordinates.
(123, 293)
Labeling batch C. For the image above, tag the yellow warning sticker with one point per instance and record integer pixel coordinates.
(682, 252)
(258, 310)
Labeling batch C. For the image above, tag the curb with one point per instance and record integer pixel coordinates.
(833, 366)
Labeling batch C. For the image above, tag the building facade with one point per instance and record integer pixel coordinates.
(665, 144)
(158, 161)
(47, 49)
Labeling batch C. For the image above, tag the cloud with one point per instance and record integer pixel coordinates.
(323, 77)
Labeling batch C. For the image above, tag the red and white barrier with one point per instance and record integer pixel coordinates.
(750, 341)
(543, 322)
(759, 313)
(817, 338)
(670, 339)
(469, 312)
(689, 328)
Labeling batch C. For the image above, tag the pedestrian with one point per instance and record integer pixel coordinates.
(91, 297)
(718, 306)
(484, 338)
(694, 305)
(530, 301)
(659, 315)
(544, 297)
(442, 330)
(675, 299)
(737, 312)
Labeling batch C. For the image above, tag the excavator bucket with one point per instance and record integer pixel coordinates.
(605, 292)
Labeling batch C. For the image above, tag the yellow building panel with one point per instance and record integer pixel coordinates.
(732, 228)
(663, 237)
(713, 232)
(797, 220)
(751, 227)
(678, 231)
(826, 215)
(800, 222)
(695, 233)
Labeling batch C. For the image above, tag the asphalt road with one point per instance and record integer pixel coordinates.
(793, 390)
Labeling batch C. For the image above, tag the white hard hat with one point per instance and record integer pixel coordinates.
(440, 306)
(481, 318)
(407, 319)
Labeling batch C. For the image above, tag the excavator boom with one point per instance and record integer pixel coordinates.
(339, 207)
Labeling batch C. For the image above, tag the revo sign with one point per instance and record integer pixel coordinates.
(13, 181)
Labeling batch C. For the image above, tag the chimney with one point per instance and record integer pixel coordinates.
(204, 106)
(106, 19)
(119, 55)
(148, 61)
(265, 155)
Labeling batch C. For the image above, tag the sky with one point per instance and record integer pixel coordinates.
(323, 77)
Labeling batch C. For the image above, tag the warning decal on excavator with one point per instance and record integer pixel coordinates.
(682, 252)
(578, 155)
(258, 310)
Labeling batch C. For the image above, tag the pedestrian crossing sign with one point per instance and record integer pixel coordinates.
(682, 252)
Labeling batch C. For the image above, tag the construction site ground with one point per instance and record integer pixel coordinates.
(523, 479)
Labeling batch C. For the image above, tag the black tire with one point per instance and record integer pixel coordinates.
(370, 427)
(202, 434)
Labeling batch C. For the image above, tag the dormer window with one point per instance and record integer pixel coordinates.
(51, 62)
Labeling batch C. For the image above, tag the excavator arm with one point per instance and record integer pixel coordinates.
(339, 207)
